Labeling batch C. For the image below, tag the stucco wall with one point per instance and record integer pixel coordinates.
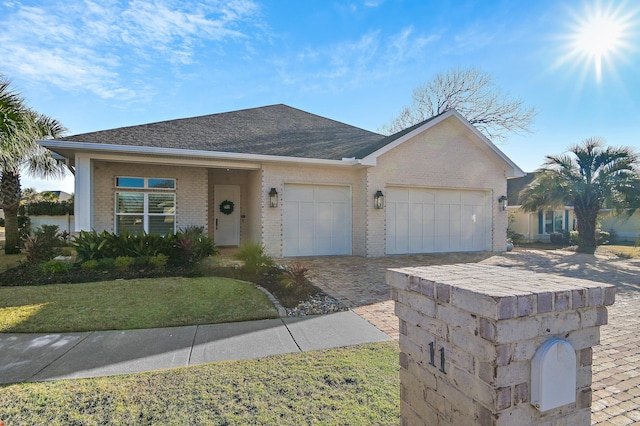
(277, 175)
(447, 155)
(191, 191)
(622, 227)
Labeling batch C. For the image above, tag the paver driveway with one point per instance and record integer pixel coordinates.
(360, 284)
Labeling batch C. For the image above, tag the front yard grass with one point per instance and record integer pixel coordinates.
(8, 261)
(130, 304)
(358, 385)
(625, 251)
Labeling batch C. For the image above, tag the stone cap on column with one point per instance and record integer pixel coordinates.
(500, 293)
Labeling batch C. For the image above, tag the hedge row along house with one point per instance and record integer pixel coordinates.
(301, 184)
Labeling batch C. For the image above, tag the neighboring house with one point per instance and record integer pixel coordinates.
(299, 183)
(623, 227)
(540, 225)
(62, 196)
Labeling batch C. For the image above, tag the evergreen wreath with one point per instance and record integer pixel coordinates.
(226, 207)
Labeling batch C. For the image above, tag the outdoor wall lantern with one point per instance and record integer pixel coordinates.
(273, 198)
(503, 203)
(378, 200)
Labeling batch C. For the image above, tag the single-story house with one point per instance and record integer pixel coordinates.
(296, 182)
(538, 226)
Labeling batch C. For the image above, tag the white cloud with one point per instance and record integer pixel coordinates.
(373, 3)
(351, 63)
(89, 45)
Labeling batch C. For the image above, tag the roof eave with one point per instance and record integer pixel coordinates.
(175, 152)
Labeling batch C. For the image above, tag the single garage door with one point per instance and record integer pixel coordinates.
(423, 220)
(316, 220)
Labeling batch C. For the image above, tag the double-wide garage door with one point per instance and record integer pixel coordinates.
(316, 220)
(436, 220)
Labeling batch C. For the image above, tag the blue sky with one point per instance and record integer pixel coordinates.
(103, 64)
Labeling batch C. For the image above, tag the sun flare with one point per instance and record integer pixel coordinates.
(599, 36)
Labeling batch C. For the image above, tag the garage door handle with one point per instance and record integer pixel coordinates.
(216, 224)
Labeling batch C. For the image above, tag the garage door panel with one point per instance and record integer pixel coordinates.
(473, 198)
(316, 220)
(435, 220)
(398, 196)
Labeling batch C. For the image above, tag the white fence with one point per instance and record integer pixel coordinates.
(65, 223)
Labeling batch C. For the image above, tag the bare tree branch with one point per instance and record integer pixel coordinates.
(474, 94)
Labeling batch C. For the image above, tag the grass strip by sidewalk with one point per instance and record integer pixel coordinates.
(358, 385)
(131, 304)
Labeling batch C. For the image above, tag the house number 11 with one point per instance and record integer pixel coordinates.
(432, 355)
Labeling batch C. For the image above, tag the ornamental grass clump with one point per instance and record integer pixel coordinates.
(256, 261)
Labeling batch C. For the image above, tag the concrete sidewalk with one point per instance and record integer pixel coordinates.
(39, 357)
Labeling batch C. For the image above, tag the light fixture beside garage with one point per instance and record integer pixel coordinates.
(378, 200)
(503, 203)
(273, 198)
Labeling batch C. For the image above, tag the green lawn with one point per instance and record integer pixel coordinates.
(9, 261)
(121, 305)
(358, 385)
(626, 251)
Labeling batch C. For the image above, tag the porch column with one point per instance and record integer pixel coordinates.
(83, 202)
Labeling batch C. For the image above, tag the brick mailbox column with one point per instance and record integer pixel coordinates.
(469, 333)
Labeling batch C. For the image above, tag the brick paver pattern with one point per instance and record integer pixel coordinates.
(360, 284)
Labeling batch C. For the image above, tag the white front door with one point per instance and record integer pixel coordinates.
(226, 223)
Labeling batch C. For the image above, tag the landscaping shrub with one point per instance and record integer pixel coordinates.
(256, 262)
(47, 208)
(56, 267)
(191, 245)
(92, 245)
(557, 238)
(142, 245)
(294, 274)
(35, 250)
(294, 285)
(123, 263)
(106, 263)
(603, 237)
(89, 265)
(159, 261)
(42, 245)
(572, 237)
(514, 237)
(182, 248)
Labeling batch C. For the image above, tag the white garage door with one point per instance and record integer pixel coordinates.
(316, 220)
(436, 220)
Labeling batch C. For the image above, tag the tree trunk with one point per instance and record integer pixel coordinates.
(10, 198)
(587, 240)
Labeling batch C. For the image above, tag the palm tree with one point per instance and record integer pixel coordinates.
(20, 129)
(589, 178)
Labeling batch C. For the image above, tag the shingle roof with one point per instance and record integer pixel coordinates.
(515, 185)
(270, 130)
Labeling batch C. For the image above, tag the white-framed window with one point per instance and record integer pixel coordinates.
(151, 212)
(553, 221)
(145, 183)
